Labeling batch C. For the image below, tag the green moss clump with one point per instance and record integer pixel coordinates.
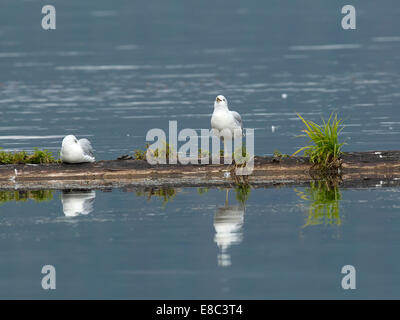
(280, 155)
(203, 153)
(20, 157)
(164, 152)
(167, 150)
(140, 154)
(41, 156)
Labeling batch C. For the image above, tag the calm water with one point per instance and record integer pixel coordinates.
(112, 71)
(278, 244)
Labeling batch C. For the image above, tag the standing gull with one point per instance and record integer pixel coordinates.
(76, 151)
(226, 124)
(228, 223)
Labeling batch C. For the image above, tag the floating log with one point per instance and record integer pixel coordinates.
(358, 169)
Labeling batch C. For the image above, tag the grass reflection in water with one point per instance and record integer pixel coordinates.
(165, 194)
(323, 201)
(20, 195)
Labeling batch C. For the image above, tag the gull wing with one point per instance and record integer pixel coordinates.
(238, 118)
(86, 147)
(88, 203)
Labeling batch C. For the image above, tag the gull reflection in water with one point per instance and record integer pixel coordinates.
(228, 222)
(77, 202)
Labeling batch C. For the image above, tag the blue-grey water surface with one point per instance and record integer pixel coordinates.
(113, 70)
(197, 247)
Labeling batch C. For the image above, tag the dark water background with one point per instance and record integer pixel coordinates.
(113, 70)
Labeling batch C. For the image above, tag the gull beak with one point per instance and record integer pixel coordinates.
(218, 99)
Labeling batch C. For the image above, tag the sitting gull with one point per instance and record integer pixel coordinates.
(76, 151)
(77, 202)
(226, 124)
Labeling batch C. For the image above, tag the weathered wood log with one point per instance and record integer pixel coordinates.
(358, 169)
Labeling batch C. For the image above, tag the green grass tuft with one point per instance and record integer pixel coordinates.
(325, 149)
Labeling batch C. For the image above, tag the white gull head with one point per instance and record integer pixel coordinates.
(221, 102)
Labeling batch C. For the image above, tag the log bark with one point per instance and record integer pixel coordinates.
(358, 169)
